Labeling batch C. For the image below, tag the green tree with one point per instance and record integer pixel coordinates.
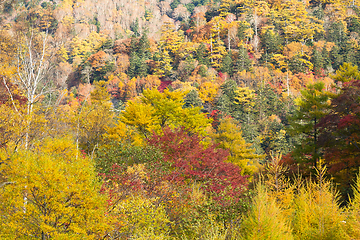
(271, 41)
(312, 106)
(192, 99)
(243, 61)
(336, 57)
(226, 101)
(318, 62)
(200, 55)
(226, 65)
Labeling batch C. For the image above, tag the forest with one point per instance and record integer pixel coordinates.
(180, 119)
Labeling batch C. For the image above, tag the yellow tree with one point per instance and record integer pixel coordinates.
(208, 92)
(155, 110)
(217, 47)
(170, 39)
(48, 193)
(295, 22)
(169, 45)
(229, 136)
(163, 64)
(264, 217)
(13, 117)
(80, 47)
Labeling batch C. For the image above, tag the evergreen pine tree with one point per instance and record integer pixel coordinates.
(312, 106)
(226, 65)
(200, 55)
(134, 63)
(192, 99)
(318, 62)
(243, 61)
(336, 57)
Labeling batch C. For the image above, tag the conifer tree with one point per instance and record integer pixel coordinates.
(265, 219)
(243, 61)
(229, 137)
(312, 106)
(226, 65)
(317, 214)
(318, 62)
(353, 212)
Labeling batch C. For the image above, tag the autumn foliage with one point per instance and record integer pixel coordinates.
(190, 161)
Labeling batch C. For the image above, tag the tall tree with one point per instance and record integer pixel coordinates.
(312, 106)
(229, 137)
(340, 136)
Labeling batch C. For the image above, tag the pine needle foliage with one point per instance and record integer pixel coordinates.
(265, 220)
(352, 222)
(317, 214)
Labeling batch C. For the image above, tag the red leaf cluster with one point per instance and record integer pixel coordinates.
(164, 84)
(190, 161)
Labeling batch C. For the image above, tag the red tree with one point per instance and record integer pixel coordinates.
(340, 135)
(190, 161)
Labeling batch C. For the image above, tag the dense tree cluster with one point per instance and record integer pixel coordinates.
(179, 119)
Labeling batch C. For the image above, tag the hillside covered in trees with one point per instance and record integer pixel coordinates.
(179, 119)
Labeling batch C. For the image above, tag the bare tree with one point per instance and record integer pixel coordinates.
(34, 64)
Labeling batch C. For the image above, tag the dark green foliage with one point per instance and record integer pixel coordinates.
(326, 57)
(226, 102)
(202, 71)
(271, 42)
(243, 61)
(350, 53)
(318, 62)
(100, 74)
(354, 25)
(134, 64)
(144, 46)
(134, 26)
(174, 4)
(319, 13)
(211, 13)
(312, 106)
(336, 58)
(108, 44)
(267, 120)
(97, 24)
(263, 120)
(337, 34)
(226, 64)
(124, 154)
(192, 99)
(201, 55)
(190, 7)
(241, 31)
(296, 65)
(139, 53)
(186, 68)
